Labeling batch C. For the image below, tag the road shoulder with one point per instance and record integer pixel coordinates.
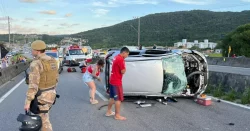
(10, 84)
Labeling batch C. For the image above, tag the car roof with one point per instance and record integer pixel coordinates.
(142, 53)
(51, 51)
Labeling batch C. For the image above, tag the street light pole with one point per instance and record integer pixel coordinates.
(9, 29)
(139, 24)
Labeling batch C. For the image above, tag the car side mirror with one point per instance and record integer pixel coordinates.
(67, 54)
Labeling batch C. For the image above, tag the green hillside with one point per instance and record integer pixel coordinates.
(21, 39)
(161, 29)
(167, 28)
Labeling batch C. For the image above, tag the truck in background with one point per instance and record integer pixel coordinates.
(88, 51)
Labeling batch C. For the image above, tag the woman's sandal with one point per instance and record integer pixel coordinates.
(94, 102)
(111, 114)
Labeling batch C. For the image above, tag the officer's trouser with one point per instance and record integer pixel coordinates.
(46, 100)
(46, 122)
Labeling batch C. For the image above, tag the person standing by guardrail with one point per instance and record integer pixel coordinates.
(4, 63)
(43, 79)
(116, 90)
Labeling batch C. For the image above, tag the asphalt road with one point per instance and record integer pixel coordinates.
(229, 69)
(73, 112)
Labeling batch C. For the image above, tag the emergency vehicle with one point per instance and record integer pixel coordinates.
(73, 55)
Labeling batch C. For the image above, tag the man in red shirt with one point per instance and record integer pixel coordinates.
(116, 90)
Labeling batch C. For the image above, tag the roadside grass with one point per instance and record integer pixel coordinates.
(215, 55)
(14, 58)
(231, 95)
(245, 98)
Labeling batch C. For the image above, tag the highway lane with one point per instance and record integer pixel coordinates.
(229, 69)
(73, 112)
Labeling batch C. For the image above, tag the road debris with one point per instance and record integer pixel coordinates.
(139, 102)
(145, 105)
(204, 100)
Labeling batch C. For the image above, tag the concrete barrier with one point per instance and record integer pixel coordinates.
(229, 81)
(236, 62)
(12, 71)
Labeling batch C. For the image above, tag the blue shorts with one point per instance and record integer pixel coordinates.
(116, 92)
(87, 77)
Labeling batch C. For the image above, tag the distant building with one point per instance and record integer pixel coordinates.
(201, 45)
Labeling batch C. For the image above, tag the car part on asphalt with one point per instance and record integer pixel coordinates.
(139, 102)
(145, 105)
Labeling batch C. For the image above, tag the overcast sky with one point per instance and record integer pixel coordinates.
(73, 16)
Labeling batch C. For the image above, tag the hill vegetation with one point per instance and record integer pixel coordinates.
(167, 28)
(161, 28)
(239, 40)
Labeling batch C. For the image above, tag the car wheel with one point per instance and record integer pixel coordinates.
(70, 63)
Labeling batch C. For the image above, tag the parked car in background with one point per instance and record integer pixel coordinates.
(55, 54)
(102, 54)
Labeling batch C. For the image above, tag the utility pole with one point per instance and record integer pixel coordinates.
(0, 53)
(138, 30)
(139, 24)
(13, 38)
(9, 29)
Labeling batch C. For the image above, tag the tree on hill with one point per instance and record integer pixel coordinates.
(51, 39)
(239, 40)
(164, 29)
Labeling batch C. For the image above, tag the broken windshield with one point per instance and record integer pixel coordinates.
(175, 79)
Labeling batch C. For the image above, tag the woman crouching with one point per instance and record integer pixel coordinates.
(92, 73)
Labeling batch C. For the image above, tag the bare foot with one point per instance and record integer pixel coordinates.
(120, 118)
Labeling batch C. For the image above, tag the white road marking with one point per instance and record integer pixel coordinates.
(99, 94)
(10, 91)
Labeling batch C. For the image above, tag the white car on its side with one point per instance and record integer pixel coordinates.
(155, 72)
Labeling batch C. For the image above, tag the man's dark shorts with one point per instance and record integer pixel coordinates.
(116, 92)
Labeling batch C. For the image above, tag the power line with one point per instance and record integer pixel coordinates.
(3, 8)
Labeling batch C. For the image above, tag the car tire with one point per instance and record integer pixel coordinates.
(70, 63)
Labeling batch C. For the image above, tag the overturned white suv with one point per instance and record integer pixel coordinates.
(161, 73)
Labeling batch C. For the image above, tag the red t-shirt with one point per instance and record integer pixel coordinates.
(91, 70)
(117, 67)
